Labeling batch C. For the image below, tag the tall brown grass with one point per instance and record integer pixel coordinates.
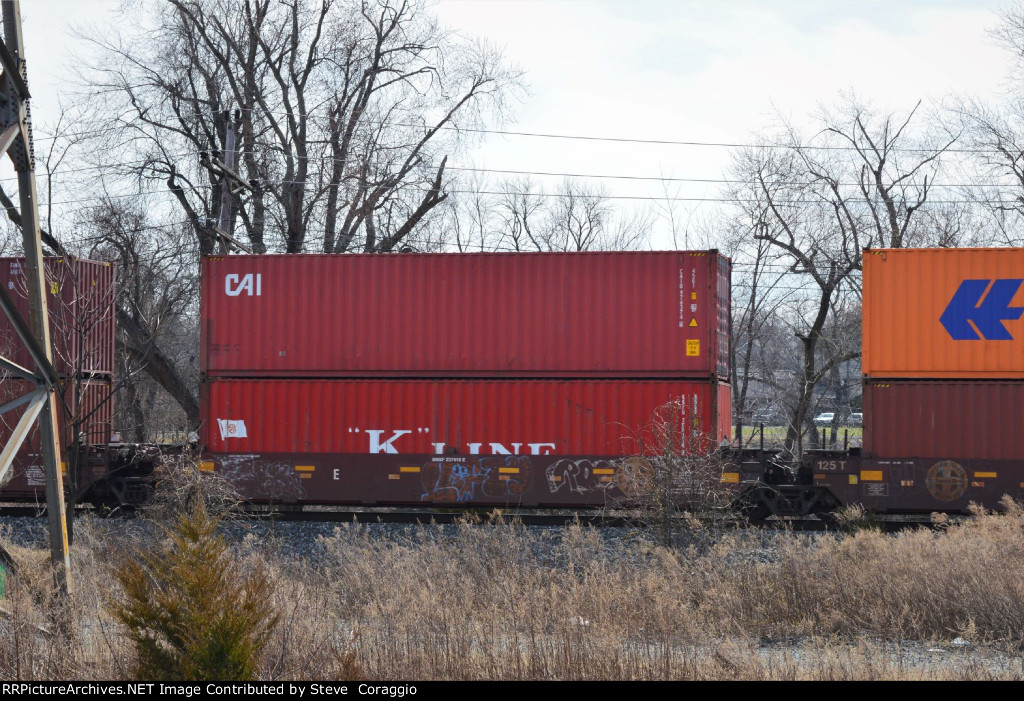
(505, 602)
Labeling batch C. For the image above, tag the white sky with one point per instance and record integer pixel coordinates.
(682, 70)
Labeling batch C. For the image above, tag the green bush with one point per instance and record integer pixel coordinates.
(189, 614)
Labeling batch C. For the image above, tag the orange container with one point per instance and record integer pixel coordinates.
(941, 313)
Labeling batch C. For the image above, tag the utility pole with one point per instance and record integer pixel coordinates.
(227, 214)
(231, 184)
(16, 141)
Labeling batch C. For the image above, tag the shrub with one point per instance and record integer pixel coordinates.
(188, 613)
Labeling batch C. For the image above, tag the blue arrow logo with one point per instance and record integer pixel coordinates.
(988, 316)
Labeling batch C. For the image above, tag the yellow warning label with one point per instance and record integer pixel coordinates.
(693, 346)
(693, 323)
(206, 465)
(54, 288)
(693, 295)
(731, 477)
(853, 479)
(870, 475)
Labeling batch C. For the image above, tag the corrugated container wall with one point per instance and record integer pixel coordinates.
(80, 302)
(617, 315)
(944, 419)
(944, 313)
(93, 406)
(573, 417)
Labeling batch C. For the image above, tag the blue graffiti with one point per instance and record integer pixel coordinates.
(465, 479)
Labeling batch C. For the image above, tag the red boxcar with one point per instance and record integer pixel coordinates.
(980, 420)
(616, 315)
(80, 300)
(93, 404)
(525, 417)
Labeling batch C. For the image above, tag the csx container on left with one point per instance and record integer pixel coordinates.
(90, 403)
(80, 303)
(555, 315)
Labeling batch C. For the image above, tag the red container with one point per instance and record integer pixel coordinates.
(93, 405)
(653, 314)
(80, 302)
(527, 417)
(980, 420)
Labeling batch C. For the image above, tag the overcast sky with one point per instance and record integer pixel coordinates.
(672, 70)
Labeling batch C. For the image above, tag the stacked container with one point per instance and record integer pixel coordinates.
(466, 354)
(80, 303)
(943, 353)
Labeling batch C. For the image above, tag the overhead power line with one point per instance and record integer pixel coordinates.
(577, 137)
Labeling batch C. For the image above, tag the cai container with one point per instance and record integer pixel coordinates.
(639, 314)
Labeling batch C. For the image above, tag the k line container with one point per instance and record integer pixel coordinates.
(538, 417)
(981, 420)
(944, 313)
(80, 303)
(93, 405)
(652, 314)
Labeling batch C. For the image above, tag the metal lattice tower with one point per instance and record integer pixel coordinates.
(40, 404)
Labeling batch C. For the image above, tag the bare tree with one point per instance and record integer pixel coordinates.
(861, 181)
(157, 287)
(345, 113)
(347, 110)
(523, 217)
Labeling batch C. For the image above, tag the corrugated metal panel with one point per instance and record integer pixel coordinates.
(944, 313)
(93, 406)
(80, 300)
(652, 314)
(602, 417)
(724, 304)
(954, 419)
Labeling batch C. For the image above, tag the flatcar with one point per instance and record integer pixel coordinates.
(537, 380)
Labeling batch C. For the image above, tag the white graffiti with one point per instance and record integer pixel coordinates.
(256, 478)
(580, 476)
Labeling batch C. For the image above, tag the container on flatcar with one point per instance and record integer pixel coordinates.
(615, 315)
(92, 404)
(522, 417)
(979, 420)
(944, 313)
(80, 302)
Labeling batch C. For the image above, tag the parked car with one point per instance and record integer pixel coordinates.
(824, 419)
(857, 418)
(768, 417)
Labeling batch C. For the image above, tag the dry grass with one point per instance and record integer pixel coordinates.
(505, 602)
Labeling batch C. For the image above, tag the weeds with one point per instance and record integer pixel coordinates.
(501, 601)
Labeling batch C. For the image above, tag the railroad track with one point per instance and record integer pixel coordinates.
(422, 516)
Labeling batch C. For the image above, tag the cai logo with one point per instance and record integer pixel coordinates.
(248, 284)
